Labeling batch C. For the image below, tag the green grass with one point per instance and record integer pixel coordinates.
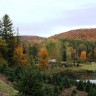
(56, 70)
(82, 68)
(7, 89)
(90, 67)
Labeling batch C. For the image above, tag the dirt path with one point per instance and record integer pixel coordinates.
(68, 92)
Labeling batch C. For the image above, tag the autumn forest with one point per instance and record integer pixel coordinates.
(48, 66)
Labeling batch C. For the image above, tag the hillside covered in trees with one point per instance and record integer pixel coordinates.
(80, 34)
(26, 64)
(32, 39)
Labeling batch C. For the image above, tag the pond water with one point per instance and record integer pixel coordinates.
(92, 81)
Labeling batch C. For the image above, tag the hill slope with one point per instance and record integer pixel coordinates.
(32, 39)
(81, 34)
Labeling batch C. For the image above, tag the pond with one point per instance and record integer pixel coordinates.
(92, 81)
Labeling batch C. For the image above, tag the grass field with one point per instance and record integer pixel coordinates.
(7, 89)
(81, 68)
(90, 67)
(56, 70)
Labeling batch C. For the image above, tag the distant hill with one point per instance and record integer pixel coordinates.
(81, 34)
(32, 39)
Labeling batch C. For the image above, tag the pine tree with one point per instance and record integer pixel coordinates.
(80, 86)
(88, 87)
(7, 34)
(1, 29)
(7, 28)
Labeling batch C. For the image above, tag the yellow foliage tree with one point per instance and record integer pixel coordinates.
(43, 58)
(83, 56)
(3, 49)
(19, 57)
(89, 56)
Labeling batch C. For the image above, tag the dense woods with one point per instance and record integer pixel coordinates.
(80, 34)
(25, 63)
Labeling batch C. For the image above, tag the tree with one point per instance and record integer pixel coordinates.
(63, 52)
(66, 82)
(19, 57)
(95, 54)
(43, 58)
(80, 86)
(1, 29)
(7, 28)
(69, 52)
(89, 56)
(58, 52)
(88, 86)
(33, 53)
(51, 47)
(83, 56)
(7, 34)
(3, 48)
(81, 48)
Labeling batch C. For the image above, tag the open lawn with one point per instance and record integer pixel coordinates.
(56, 70)
(90, 67)
(81, 68)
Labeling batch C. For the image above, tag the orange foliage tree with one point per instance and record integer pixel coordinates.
(83, 56)
(43, 58)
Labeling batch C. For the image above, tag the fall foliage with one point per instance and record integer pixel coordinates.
(83, 56)
(89, 56)
(43, 58)
(19, 57)
(81, 34)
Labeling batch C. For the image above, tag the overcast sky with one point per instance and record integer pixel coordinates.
(49, 17)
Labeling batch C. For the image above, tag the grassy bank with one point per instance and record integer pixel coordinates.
(7, 89)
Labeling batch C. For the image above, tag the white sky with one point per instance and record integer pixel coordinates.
(49, 17)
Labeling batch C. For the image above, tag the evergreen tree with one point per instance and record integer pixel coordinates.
(66, 82)
(88, 86)
(33, 53)
(7, 28)
(1, 29)
(80, 86)
(7, 34)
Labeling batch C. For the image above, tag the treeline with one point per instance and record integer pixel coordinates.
(8, 41)
(80, 51)
(13, 51)
(67, 50)
(16, 52)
